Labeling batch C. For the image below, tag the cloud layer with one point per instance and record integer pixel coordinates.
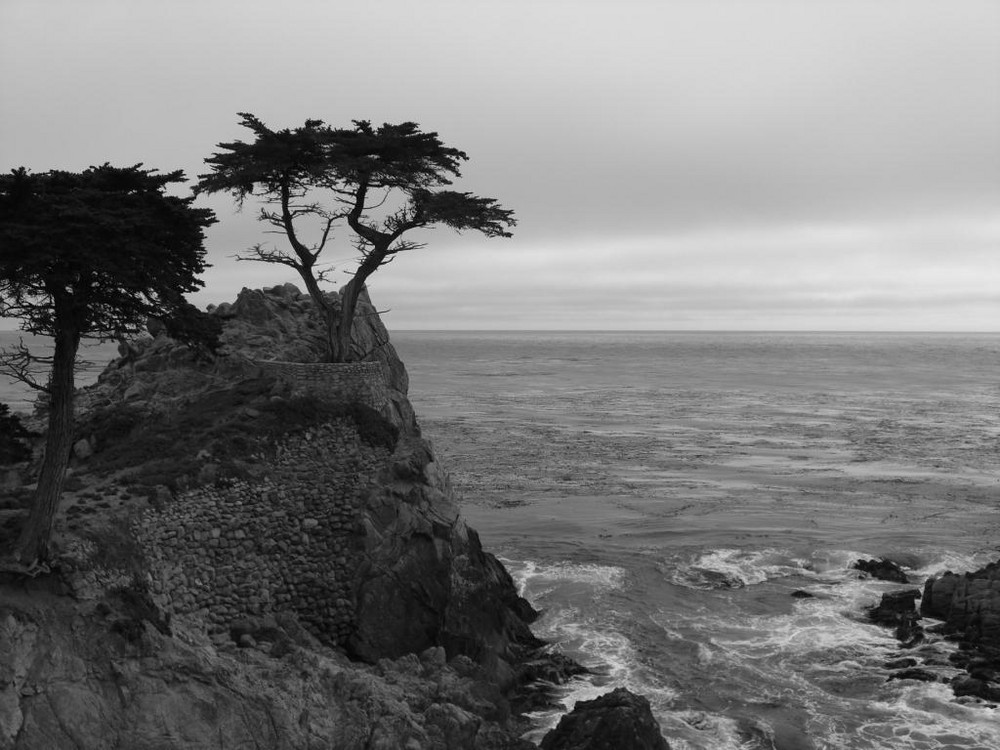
(721, 164)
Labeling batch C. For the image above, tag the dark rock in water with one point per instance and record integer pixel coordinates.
(905, 663)
(894, 604)
(968, 685)
(923, 675)
(800, 594)
(882, 569)
(897, 610)
(619, 719)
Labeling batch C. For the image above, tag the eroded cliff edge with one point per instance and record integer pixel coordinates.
(243, 564)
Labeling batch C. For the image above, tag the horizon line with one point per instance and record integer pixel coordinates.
(690, 330)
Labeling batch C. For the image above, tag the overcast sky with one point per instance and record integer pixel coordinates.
(698, 164)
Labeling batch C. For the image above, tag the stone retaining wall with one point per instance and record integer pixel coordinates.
(351, 381)
(285, 543)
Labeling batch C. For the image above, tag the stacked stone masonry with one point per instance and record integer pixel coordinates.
(285, 543)
(342, 382)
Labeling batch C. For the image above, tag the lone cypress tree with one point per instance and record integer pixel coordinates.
(89, 255)
(380, 183)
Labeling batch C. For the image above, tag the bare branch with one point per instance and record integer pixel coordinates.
(258, 253)
(18, 363)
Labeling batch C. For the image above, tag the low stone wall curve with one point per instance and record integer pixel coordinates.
(363, 382)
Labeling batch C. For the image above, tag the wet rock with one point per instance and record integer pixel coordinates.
(882, 569)
(802, 594)
(904, 663)
(923, 675)
(619, 719)
(968, 685)
(897, 610)
(968, 603)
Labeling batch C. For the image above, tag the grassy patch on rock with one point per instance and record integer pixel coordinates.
(226, 429)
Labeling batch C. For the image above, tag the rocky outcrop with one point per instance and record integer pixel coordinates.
(296, 576)
(882, 569)
(96, 674)
(897, 610)
(619, 719)
(968, 603)
(969, 606)
(276, 324)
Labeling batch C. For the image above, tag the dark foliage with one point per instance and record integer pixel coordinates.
(373, 429)
(100, 250)
(229, 426)
(194, 328)
(89, 254)
(13, 434)
(378, 183)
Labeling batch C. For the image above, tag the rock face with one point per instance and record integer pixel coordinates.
(278, 324)
(619, 720)
(97, 675)
(969, 605)
(897, 610)
(280, 608)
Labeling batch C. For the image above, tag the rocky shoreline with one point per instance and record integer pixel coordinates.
(966, 607)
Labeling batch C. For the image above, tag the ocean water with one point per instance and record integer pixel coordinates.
(92, 359)
(659, 496)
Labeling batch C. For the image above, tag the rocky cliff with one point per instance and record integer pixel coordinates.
(244, 563)
(969, 606)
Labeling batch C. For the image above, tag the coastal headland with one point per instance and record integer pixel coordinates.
(246, 559)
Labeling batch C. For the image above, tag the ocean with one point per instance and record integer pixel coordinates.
(660, 496)
(91, 360)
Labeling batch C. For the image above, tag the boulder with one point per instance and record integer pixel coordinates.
(619, 720)
(882, 569)
(897, 610)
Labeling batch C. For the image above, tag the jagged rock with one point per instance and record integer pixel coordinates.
(882, 569)
(73, 679)
(620, 720)
(969, 604)
(425, 580)
(897, 610)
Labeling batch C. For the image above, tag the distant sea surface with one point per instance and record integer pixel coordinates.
(660, 496)
(92, 359)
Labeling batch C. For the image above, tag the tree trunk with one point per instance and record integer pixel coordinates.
(33, 544)
(345, 321)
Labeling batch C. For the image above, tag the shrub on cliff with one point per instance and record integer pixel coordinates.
(226, 427)
(13, 449)
(373, 428)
